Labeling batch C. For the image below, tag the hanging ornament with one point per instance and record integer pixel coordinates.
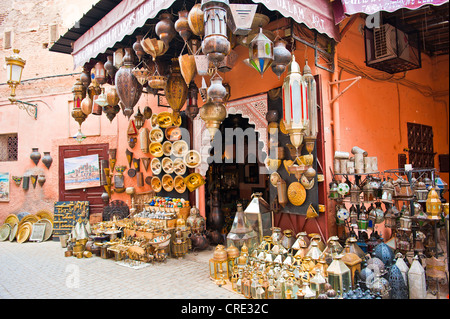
(187, 67)
(164, 29)
(137, 47)
(281, 57)
(213, 114)
(215, 45)
(182, 25)
(195, 20)
(192, 101)
(217, 91)
(176, 89)
(127, 86)
(154, 47)
(261, 52)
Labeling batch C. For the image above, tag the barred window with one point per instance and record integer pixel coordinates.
(8, 147)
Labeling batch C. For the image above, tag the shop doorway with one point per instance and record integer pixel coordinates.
(234, 174)
(90, 194)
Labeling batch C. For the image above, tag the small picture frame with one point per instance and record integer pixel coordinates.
(38, 232)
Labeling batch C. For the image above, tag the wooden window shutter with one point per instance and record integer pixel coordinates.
(7, 40)
(54, 35)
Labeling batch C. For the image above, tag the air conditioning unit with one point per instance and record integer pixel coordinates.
(392, 50)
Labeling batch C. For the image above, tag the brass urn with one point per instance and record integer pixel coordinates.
(213, 114)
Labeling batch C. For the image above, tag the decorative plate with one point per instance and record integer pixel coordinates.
(296, 193)
(156, 135)
(29, 218)
(156, 149)
(343, 189)
(155, 166)
(167, 165)
(48, 228)
(179, 148)
(173, 133)
(12, 219)
(164, 119)
(167, 148)
(44, 214)
(24, 233)
(156, 184)
(193, 181)
(192, 159)
(154, 120)
(13, 233)
(167, 183)
(180, 186)
(283, 127)
(179, 167)
(5, 230)
(274, 178)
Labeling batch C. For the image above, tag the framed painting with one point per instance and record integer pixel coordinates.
(81, 172)
(4, 187)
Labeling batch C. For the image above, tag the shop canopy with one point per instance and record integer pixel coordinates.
(128, 15)
(349, 7)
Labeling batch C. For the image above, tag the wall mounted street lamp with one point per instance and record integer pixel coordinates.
(14, 68)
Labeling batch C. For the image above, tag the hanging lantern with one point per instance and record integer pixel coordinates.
(217, 91)
(281, 57)
(333, 192)
(195, 20)
(182, 25)
(261, 52)
(138, 119)
(312, 129)
(176, 89)
(387, 192)
(402, 190)
(355, 194)
(295, 105)
(165, 29)
(192, 101)
(118, 58)
(215, 44)
(100, 73)
(434, 205)
(137, 47)
(213, 114)
(141, 74)
(363, 219)
(79, 93)
(420, 191)
(128, 88)
(405, 219)
(417, 280)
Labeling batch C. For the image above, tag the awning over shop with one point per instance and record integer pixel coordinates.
(119, 22)
(129, 15)
(348, 7)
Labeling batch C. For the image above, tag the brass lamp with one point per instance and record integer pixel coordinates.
(14, 68)
(353, 262)
(218, 265)
(339, 276)
(434, 205)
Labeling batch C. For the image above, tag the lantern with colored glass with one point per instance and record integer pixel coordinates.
(312, 129)
(79, 93)
(387, 192)
(405, 220)
(363, 219)
(261, 52)
(353, 262)
(100, 73)
(215, 44)
(14, 68)
(434, 205)
(390, 220)
(333, 193)
(295, 104)
(218, 265)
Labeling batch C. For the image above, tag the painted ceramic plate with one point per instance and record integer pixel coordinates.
(179, 148)
(155, 166)
(173, 133)
(156, 135)
(167, 148)
(156, 184)
(164, 119)
(180, 186)
(179, 167)
(296, 193)
(167, 165)
(167, 183)
(192, 159)
(156, 149)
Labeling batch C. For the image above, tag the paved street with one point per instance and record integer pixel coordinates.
(40, 270)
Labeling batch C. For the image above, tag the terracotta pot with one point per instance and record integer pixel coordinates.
(128, 87)
(41, 180)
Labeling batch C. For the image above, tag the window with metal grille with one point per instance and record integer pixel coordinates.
(420, 144)
(8, 147)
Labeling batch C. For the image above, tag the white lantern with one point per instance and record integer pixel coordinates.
(14, 68)
(312, 129)
(295, 104)
(416, 280)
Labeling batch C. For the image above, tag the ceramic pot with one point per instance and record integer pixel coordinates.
(47, 159)
(41, 180)
(35, 155)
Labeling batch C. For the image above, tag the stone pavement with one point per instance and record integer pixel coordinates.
(39, 270)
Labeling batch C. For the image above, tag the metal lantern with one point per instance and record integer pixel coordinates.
(176, 89)
(295, 104)
(402, 190)
(333, 193)
(281, 57)
(369, 192)
(387, 192)
(79, 93)
(100, 73)
(390, 220)
(339, 276)
(218, 265)
(363, 219)
(353, 262)
(384, 253)
(215, 44)
(241, 232)
(318, 283)
(421, 191)
(192, 101)
(417, 280)
(139, 119)
(261, 52)
(217, 91)
(355, 194)
(313, 127)
(353, 247)
(434, 205)
(213, 114)
(399, 290)
(259, 216)
(405, 219)
(14, 68)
